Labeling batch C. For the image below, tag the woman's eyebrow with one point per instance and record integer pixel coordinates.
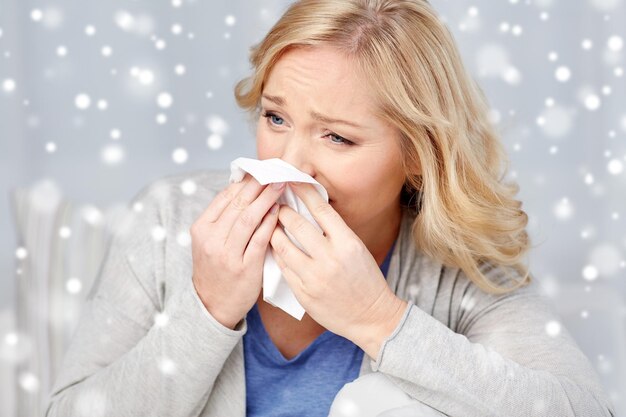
(275, 99)
(280, 101)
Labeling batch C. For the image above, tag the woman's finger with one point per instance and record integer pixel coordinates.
(293, 280)
(237, 205)
(324, 214)
(250, 218)
(293, 258)
(257, 246)
(221, 201)
(311, 239)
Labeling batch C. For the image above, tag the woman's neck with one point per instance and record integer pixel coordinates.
(380, 237)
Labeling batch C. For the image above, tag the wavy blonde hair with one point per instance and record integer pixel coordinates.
(468, 217)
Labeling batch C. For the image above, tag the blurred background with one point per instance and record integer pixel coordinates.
(98, 99)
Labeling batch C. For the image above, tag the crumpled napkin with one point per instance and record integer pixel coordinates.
(275, 288)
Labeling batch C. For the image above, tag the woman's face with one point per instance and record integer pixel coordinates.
(319, 116)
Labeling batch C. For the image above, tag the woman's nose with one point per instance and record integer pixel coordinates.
(297, 153)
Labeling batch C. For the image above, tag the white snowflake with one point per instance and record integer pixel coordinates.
(112, 154)
(73, 285)
(167, 366)
(563, 210)
(180, 155)
(29, 382)
(82, 101)
(590, 273)
(553, 328)
(9, 85)
(165, 100)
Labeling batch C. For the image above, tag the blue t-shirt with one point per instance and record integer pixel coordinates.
(305, 385)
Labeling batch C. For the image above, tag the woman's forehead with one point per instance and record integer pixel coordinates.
(320, 65)
(321, 74)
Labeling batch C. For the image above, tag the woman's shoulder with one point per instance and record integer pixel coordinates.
(448, 294)
(468, 302)
(178, 199)
(190, 183)
(174, 187)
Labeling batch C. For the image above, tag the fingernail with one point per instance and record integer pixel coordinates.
(274, 209)
(278, 185)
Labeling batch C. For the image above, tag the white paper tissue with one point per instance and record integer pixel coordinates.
(275, 288)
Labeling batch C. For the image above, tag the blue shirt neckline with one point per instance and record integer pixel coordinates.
(271, 348)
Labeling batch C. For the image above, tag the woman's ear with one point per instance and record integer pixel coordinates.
(416, 171)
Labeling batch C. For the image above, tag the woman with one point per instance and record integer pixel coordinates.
(417, 273)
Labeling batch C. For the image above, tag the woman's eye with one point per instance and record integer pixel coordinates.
(338, 139)
(275, 120)
(278, 121)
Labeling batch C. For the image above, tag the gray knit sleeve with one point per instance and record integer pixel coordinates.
(133, 343)
(501, 362)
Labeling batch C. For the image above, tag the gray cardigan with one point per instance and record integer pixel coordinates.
(458, 350)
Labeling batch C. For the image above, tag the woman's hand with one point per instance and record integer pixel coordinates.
(229, 241)
(338, 283)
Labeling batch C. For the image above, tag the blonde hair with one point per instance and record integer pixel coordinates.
(468, 217)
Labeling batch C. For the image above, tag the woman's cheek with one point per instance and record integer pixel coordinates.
(266, 148)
